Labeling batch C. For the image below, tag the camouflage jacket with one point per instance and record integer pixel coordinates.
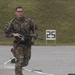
(24, 23)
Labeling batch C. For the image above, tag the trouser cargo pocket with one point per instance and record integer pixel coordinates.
(13, 52)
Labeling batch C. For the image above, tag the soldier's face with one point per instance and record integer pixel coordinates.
(19, 13)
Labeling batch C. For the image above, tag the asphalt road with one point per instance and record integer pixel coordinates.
(57, 60)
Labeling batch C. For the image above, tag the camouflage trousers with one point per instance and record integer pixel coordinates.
(23, 54)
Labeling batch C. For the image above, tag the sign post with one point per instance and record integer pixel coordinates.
(51, 35)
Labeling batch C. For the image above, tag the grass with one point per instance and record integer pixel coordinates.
(48, 14)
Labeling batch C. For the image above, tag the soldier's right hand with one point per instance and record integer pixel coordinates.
(16, 35)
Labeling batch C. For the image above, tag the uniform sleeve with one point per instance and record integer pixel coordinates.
(7, 30)
(34, 27)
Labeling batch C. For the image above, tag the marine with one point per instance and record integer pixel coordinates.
(21, 49)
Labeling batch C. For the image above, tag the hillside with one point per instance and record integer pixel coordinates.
(48, 14)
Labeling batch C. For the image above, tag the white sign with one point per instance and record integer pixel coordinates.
(50, 34)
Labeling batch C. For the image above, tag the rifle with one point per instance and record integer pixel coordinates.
(24, 35)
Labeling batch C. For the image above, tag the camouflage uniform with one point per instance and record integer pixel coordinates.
(21, 50)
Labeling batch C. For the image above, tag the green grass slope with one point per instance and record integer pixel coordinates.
(48, 14)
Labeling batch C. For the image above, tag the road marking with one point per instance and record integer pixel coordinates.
(35, 71)
(9, 67)
(38, 72)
